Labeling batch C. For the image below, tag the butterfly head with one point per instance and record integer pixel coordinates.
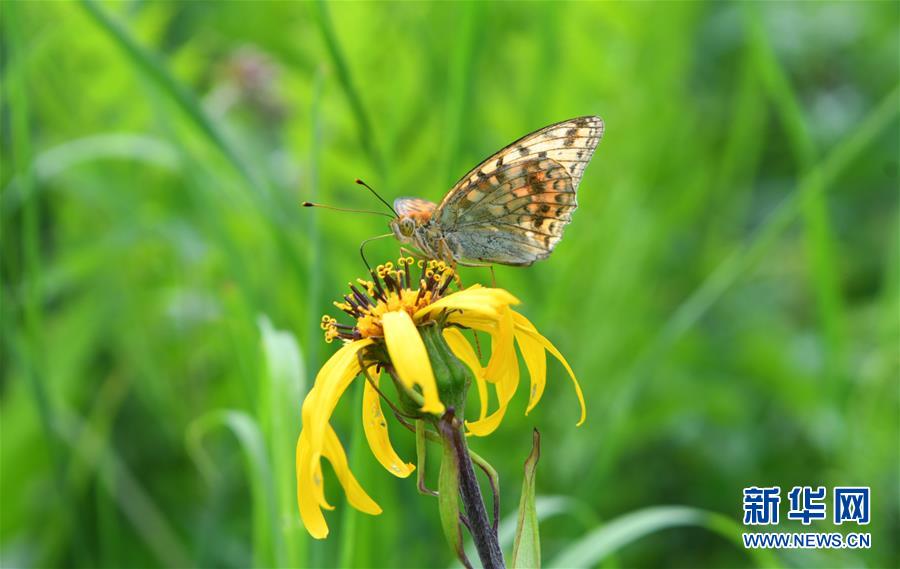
(412, 215)
(404, 227)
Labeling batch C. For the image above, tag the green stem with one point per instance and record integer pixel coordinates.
(483, 533)
(494, 480)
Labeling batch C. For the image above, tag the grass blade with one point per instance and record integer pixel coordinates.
(26, 264)
(815, 181)
(125, 488)
(459, 90)
(741, 259)
(157, 72)
(813, 207)
(363, 124)
(313, 234)
(612, 536)
(284, 385)
(108, 146)
(248, 433)
(356, 540)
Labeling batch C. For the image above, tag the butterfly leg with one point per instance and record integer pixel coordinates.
(488, 265)
(445, 253)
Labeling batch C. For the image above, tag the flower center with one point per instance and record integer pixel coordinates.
(390, 290)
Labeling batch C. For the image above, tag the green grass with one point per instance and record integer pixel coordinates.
(727, 292)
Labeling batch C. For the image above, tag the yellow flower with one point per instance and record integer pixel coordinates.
(390, 318)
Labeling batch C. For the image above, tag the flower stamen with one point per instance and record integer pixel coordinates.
(390, 290)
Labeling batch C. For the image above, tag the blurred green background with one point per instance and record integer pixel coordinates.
(727, 291)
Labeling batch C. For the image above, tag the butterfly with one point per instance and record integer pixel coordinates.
(512, 208)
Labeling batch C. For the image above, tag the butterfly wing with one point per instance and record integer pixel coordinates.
(512, 208)
(416, 208)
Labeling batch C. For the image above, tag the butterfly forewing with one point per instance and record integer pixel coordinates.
(513, 207)
(414, 207)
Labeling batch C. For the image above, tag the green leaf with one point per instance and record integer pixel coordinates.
(448, 502)
(282, 386)
(527, 546)
(546, 507)
(612, 536)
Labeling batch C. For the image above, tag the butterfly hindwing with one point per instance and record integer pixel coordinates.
(517, 216)
(513, 207)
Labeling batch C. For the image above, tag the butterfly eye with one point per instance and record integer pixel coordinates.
(407, 226)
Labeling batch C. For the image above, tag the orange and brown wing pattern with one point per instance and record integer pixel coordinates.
(512, 208)
(571, 143)
(416, 208)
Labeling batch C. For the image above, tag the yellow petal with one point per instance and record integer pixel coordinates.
(320, 488)
(503, 353)
(500, 329)
(475, 299)
(334, 452)
(505, 387)
(463, 350)
(376, 431)
(503, 368)
(481, 323)
(525, 327)
(331, 382)
(410, 358)
(536, 361)
(309, 483)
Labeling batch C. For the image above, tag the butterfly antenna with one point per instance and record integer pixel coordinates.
(323, 206)
(362, 247)
(381, 199)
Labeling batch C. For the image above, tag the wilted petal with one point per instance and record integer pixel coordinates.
(503, 369)
(410, 358)
(335, 454)
(536, 361)
(505, 387)
(310, 493)
(523, 326)
(376, 431)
